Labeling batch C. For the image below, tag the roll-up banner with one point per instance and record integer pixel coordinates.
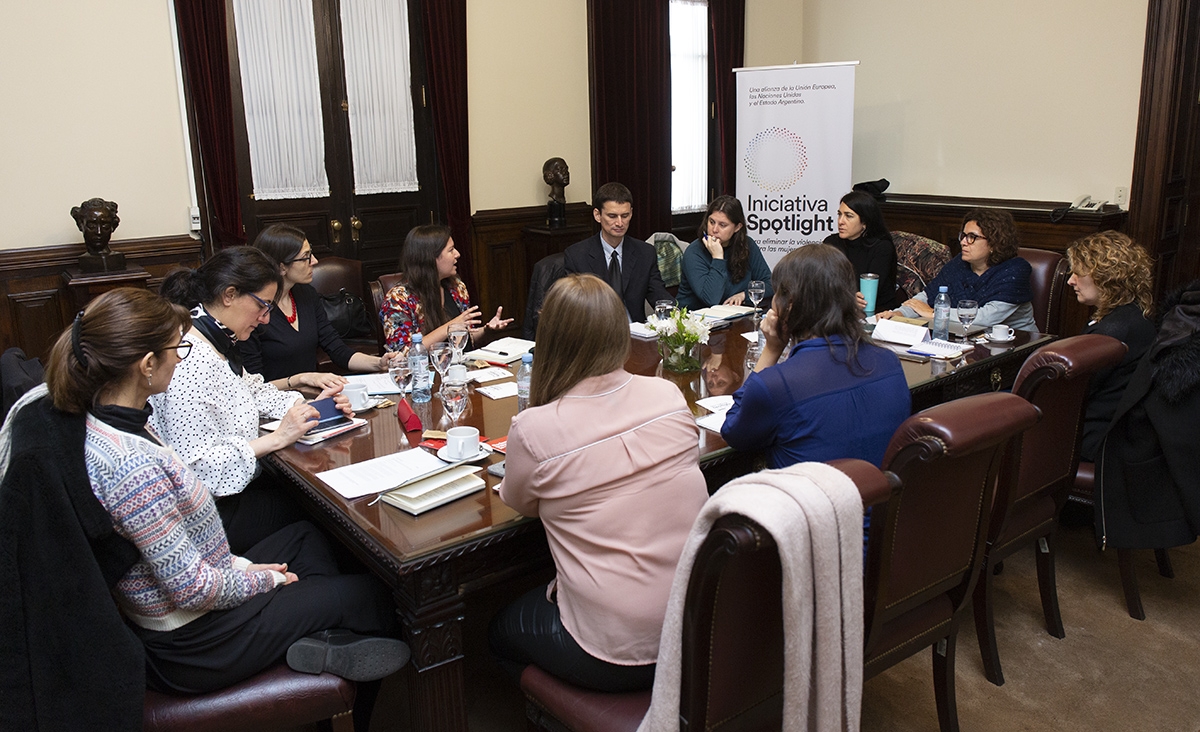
(795, 137)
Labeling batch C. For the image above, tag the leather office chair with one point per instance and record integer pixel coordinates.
(918, 260)
(275, 699)
(1048, 281)
(545, 273)
(1082, 490)
(1037, 475)
(332, 274)
(732, 647)
(926, 541)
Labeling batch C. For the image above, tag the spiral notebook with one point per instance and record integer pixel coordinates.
(937, 348)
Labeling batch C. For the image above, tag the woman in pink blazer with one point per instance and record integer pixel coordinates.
(610, 462)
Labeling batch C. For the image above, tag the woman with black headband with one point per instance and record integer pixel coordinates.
(211, 411)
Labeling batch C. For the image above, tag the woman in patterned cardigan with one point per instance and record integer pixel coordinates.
(206, 617)
(432, 297)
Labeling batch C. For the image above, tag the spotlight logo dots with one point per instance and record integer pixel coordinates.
(775, 159)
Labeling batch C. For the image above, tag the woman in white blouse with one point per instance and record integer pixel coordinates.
(210, 413)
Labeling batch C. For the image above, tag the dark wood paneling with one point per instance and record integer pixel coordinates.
(940, 218)
(502, 266)
(36, 306)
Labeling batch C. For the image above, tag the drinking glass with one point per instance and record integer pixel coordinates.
(662, 309)
(440, 355)
(457, 337)
(967, 310)
(400, 375)
(455, 396)
(756, 290)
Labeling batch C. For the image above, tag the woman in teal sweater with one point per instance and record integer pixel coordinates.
(718, 267)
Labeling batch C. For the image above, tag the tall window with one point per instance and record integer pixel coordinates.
(689, 105)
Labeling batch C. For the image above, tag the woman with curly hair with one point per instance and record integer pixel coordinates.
(1111, 273)
(719, 265)
(987, 271)
(431, 297)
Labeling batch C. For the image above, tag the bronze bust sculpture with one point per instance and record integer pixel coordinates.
(557, 176)
(97, 219)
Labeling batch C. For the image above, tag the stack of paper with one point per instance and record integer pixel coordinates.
(896, 332)
(375, 383)
(718, 406)
(435, 490)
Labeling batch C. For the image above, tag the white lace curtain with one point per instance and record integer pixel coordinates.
(689, 105)
(379, 90)
(278, 59)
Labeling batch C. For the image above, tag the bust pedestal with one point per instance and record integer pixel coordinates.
(82, 286)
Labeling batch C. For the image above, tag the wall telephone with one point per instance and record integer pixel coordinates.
(1085, 203)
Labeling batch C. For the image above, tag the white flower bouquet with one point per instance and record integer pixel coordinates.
(678, 336)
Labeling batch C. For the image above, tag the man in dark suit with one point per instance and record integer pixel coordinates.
(629, 265)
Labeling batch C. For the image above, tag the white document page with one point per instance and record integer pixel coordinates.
(376, 383)
(905, 333)
(382, 473)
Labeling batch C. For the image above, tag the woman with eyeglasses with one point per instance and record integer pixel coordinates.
(211, 411)
(207, 617)
(285, 347)
(987, 271)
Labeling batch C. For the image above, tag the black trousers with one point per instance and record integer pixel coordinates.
(260, 510)
(227, 646)
(530, 630)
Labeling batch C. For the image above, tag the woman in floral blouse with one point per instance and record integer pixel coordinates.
(432, 297)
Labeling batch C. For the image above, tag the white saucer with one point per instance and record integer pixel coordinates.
(371, 404)
(994, 339)
(444, 454)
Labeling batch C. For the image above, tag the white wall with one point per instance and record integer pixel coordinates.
(1019, 99)
(1016, 99)
(527, 83)
(90, 109)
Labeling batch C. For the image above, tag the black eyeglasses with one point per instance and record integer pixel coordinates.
(970, 237)
(306, 258)
(182, 349)
(263, 304)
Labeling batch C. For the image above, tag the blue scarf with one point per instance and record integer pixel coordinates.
(1006, 282)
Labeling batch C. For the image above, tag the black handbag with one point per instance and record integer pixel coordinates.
(347, 314)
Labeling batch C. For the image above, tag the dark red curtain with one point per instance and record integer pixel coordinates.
(445, 24)
(727, 23)
(206, 73)
(629, 65)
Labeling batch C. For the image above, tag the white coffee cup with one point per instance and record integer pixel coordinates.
(357, 394)
(457, 372)
(1001, 332)
(462, 442)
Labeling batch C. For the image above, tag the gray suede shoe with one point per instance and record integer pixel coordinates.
(347, 654)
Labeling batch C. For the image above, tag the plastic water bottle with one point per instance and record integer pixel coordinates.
(418, 364)
(524, 376)
(941, 315)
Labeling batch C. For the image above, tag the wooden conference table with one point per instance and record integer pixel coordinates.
(432, 562)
